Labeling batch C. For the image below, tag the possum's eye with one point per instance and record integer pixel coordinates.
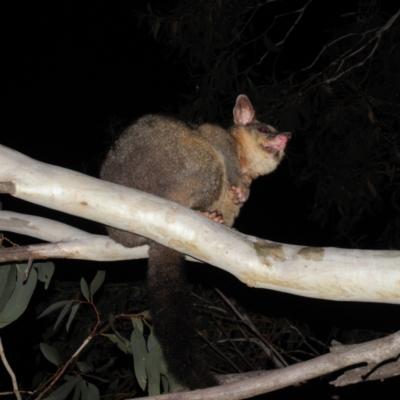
(263, 129)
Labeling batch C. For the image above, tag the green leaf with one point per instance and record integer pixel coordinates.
(45, 272)
(121, 342)
(137, 323)
(172, 382)
(97, 282)
(117, 334)
(85, 289)
(93, 392)
(20, 297)
(152, 342)
(111, 322)
(77, 391)
(50, 353)
(156, 27)
(165, 384)
(97, 378)
(71, 317)
(84, 367)
(7, 283)
(83, 389)
(63, 391)
(153, 370)
(139, 351)
(53, 307)
(270, 45)
(63, 313)
(105, 366)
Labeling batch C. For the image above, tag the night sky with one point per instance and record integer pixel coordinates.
(71, 68)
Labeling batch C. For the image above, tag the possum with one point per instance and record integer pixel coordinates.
(206, 168)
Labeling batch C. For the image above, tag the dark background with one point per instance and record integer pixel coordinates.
(72, 68)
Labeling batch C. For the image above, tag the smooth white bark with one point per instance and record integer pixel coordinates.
(325, 273)
(67, 241)
(372, 353)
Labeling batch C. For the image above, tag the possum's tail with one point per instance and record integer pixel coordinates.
(172, 316)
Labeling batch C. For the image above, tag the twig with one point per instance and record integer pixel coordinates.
(60, 373)
(345, 56)
(28, 266)
(222, 355)
(304, 339)
(10, 371)
(301, 13)
(252, 327)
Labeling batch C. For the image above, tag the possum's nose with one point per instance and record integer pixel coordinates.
(287, 134)
(281, 140)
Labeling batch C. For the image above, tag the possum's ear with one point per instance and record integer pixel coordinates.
(243, 112)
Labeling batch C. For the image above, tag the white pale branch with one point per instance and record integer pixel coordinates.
(325, 273)
(67, 241)
(372, 354)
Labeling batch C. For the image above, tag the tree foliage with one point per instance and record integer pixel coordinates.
(97, 339)
(336, 89)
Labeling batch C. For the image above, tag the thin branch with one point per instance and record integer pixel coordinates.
(351, 53)
(315, 352)
(10, 371)
(61, 372)
(222, 355)
(373, 352)
(336, 41)
(253, 328)
(232, 342)
(301, 13)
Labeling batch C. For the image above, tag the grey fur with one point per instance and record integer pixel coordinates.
(205, 168)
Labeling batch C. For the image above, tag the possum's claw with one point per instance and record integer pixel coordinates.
(214, 215)
(241, 194)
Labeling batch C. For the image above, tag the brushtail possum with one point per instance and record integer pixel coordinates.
(206, 168)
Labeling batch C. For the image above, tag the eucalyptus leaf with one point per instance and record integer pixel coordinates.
(83, 389)
(172, 382)
(105, 366)
(7, 283)
(122, 343)
(20, 297)
(139, 351)
(270, 45)
(153, 370)
(53, 307)
(95, 377)
(137, 323)
(77, 392)
(84, 367)
(63, 391)
(93, 392)
(118, 335)
(97, 282)
(63, 313)
(152, 341)
(45, 272)
(85, 289)
(50, 353)
(71, 317)
(165, 383)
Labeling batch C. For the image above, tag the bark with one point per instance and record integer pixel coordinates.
(324, 273)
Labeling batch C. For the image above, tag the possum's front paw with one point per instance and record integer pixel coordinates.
(241, 194)
(213, 215)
